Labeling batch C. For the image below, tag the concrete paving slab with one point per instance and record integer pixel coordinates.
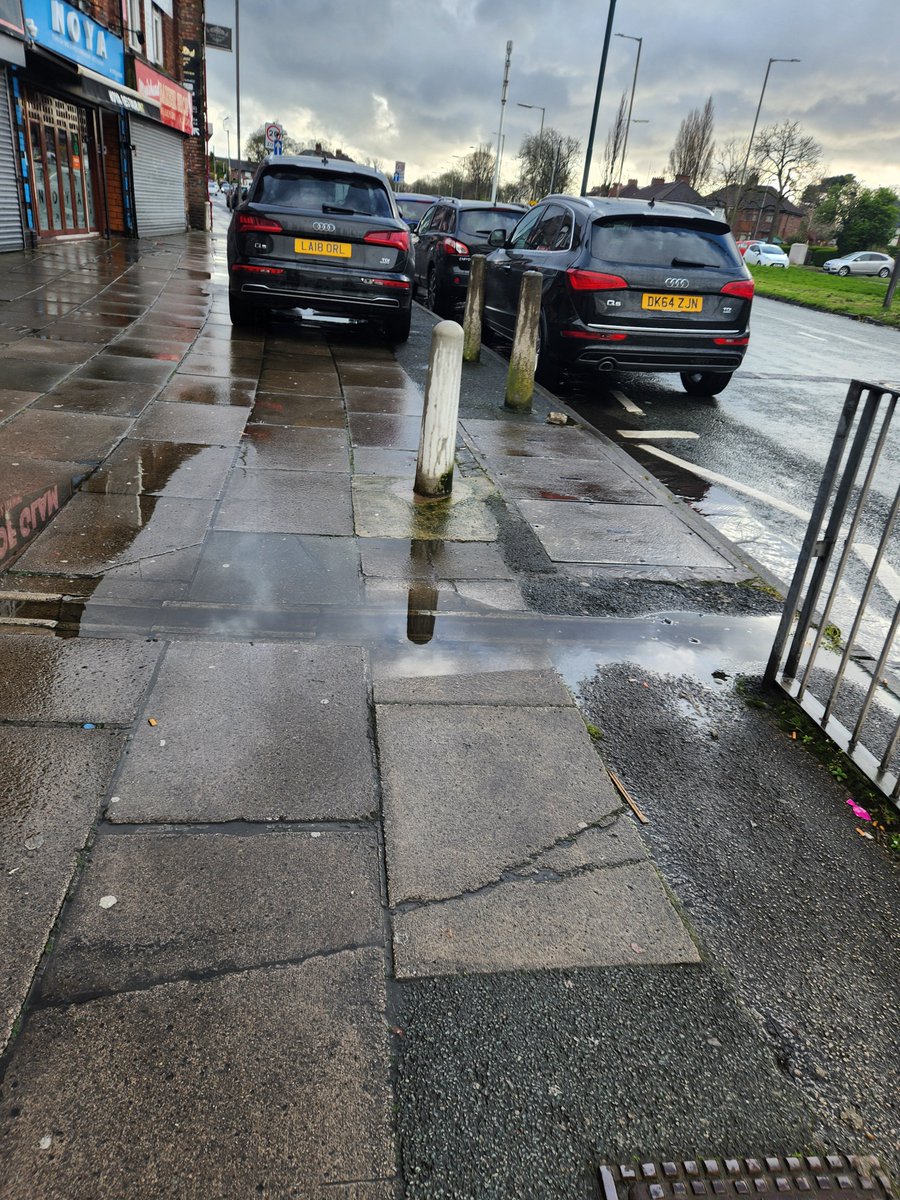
(157, 351)
(471, 792)
(271, 448)
(105, 399)
(401, 558)
(491, 593)
(191, 389)
(50, 791)
(252, 731)
(372, 373)
(177, 470)
(201, 424)
(280, 408)
(618, 534)
(31, 375)
(95, 533)
(525, 436)
(397, 464)
(177, 1089)
(43, 350)
(191, 902)
(277, 570)
(222, 364)
(405, 399)
(386, 430)
(299, 382)
(384, 507)
(313, 502)
(128, 370)
(525, 688)
(12, 401)
(60, 436)
(595, 479)
(55, 679)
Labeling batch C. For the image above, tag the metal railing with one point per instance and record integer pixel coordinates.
(848, 690)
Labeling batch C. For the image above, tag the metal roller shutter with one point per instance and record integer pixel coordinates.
(10, 213)
(158, 174)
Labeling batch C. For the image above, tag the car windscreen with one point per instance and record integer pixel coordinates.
(642, 241)
(483, 221)
(321, 191)
(413, 210)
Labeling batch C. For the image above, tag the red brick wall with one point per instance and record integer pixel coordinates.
(113, 171)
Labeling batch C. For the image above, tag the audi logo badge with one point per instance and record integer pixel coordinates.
(325, 227)
(673, 283)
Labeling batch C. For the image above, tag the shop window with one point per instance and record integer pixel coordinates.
(135, 25)
(157, 51)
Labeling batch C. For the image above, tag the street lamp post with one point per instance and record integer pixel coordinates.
(600, 77)
(753, 130)
(540, 139)
(637, 63)
(225, 121)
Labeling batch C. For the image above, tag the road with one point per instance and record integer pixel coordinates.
(751, 459)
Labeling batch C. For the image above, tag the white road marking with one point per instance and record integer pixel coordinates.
(628, 405)
(843, 337)
(812, 336)
(659, 435)
(714, 477)
(887, 576)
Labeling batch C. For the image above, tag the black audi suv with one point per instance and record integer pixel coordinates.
(446, 238)
(629, 285)
(320, 235)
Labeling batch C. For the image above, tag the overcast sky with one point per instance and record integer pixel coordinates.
(419, 80)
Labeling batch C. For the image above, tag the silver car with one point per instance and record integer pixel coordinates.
(862, 262)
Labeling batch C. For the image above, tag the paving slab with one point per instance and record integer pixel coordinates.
(401, 558)
(371, 373)
(618, 534)
(526, 688)
(192, 1099)
(384, 507)
(277, 570)
(202, 900)
(312, 502)
(397, 464)
(95, 533)
(406, 399)
(280, 408)
(178, 470)
(61, 436)
(596, 902)
(33, 375)
(201, 424)
(387, 430)
(524, 436)
(259, 732)
(473, 791)
(12, 401)
(99, 397)
(128, 370)
(51, 787)
(190, 389)
(67, 679)
(276, 449)
(299, 382)
(595, 479)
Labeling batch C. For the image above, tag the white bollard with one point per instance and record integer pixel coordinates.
(437, 441)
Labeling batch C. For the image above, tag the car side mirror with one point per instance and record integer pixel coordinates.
(497, 238)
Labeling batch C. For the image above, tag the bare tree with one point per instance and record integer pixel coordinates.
(479, 171)
(374, 163)
(788, 156)
(728, 163)
(692, 154)
(546, 163)
(615, 140)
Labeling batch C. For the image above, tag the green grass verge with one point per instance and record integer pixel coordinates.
(852, 296)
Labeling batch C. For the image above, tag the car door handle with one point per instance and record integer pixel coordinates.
(504, 266)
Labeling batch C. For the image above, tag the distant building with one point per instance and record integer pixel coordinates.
(678, 191)
(102, 119)
(762, 213)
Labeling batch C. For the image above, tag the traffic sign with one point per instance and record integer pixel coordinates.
(274, 133)
(278, 148)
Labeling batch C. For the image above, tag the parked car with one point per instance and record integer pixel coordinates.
(628, 285)
(766, 254)
(450, 232)
(413, 206)
(321, 235)
(861, 262)
(744, 246)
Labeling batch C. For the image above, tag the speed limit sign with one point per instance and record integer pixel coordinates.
(274, 133)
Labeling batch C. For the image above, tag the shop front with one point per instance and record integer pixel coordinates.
(12, 55)
(157, 149)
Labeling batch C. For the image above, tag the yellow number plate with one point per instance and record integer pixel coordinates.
(325, 249)
(666, 302)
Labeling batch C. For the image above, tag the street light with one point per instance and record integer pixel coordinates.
(453, 176)
(753, 130)
(540, 139)
(637, 63)
(225, 121)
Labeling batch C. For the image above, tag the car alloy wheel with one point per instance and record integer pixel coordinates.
(705, 383)
(844, 271)
(883, 273)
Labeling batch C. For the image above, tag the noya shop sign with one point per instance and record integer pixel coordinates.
(74, 35)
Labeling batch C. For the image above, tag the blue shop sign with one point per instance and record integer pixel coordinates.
(67, 31)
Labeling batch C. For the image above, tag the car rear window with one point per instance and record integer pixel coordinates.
(319, 191)
(669, 243)
(414, 210)
(485, 220)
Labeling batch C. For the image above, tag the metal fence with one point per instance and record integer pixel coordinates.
(844, 575)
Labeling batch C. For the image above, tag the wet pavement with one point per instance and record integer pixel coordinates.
(304, 830)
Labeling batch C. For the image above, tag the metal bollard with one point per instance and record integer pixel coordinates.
(437, 441)
(523, 359)
(474, 309)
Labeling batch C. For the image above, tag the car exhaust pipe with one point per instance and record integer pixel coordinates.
(607, 364)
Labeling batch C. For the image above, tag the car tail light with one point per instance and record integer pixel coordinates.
(250, 223)
(743, 288)
(403, 284)
(398, 238)
(744, 341)
(258, 270)
(587, 336)
(593, 281)
(452, 246)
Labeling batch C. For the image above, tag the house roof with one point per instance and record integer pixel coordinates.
(753, 197)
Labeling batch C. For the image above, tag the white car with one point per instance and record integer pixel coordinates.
(765, 254)
(862, 262)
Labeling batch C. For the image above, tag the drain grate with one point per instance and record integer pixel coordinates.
(848, 1176)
